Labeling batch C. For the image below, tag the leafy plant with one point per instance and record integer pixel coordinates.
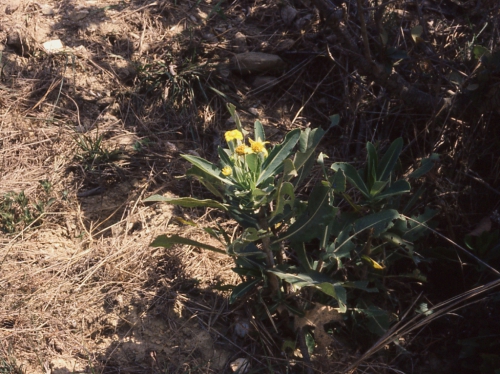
(17, 212)
(330, 246)
(92, 154)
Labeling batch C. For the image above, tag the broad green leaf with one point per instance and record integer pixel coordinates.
(212, 184)
(337, 292)
(377, 186)
(309, 140)
(317, 280)
(207, 167)
(334, 120)
(244, 219)
(224, 157)
(480, 51)
(397, 188)
(252, 161)
(338, 181)
(167, 241)
(278, 154)
(426, 165)
(299, 280)
(353, 177)
(318, 215)
(418, 225)
(289, 171)
(388, 161)
(188, 202)
(285, 196)
(259, 131)
(242, 289)
(232, 111)
(378, 320)
(380, 222)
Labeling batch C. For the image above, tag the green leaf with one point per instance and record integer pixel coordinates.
(380, 222)
(224, 157)
(377, 186)
(480, 51)
(278, 154)
(426, 165)
(259, 131)
(309, 140)
(334, 120)
(338, 181)
(388, 161)
(232, 111)
(289, 171)
(371, 165)
(419, 226)
(242, 289)
(188, 202)
(318, 215)
(353, 177)
(285, 196)
(252, 161)
(378, 320)
(167, 241)
(212, 184)
(316, 280)
(397, 188)
(207, 167)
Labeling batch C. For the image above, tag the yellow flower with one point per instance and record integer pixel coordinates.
(226, 170)
(258, 146)
(242, 150)
(233, 135)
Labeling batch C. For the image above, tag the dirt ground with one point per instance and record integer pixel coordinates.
(81, 290)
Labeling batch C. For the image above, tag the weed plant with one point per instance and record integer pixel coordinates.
(18, 212)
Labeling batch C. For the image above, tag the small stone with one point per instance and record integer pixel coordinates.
(53, 46)
(285, 45)
(256, 62)
(242, 327)
(46, 10)
(240, 366)
(79, 15)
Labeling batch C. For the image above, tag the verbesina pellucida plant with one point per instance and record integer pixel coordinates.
(296, 251)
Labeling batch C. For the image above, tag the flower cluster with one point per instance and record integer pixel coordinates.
(256, 146)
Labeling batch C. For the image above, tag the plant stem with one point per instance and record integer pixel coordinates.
(266, 247)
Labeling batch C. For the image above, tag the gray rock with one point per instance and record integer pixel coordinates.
(256, 62)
